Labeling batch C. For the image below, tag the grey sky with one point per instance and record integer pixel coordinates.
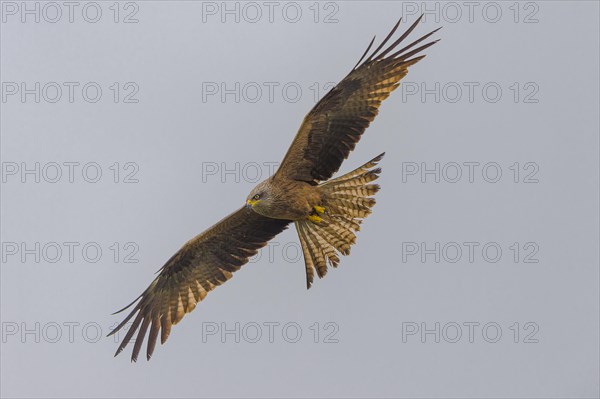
(195, 107)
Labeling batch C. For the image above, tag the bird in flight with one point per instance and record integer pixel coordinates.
(326, 212)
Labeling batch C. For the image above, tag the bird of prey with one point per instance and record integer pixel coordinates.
(326, 212)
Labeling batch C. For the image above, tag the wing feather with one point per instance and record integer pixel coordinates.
(336, 123)
(203, 263)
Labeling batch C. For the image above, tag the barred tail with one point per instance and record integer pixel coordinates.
(347, 201)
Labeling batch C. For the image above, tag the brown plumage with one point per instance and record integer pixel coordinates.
(326, 213)
(203, 263)
(333, 127)
(347, 200)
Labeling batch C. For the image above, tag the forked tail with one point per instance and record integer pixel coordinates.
(347, 200)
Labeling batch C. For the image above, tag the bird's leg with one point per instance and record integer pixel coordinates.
(315, 215)
(314, 218)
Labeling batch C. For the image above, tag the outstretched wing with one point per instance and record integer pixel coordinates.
(204, 262)
(333, 127)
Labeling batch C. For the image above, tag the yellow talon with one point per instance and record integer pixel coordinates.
(315, 218)
(319, 209)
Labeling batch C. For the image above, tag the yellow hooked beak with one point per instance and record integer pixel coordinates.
(251, 202)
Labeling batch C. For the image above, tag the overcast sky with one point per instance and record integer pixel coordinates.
(127, 129)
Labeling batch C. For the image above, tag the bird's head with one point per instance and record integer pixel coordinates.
(260, 197)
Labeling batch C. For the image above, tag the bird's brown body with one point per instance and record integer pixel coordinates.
(326, 212)
(288, 199)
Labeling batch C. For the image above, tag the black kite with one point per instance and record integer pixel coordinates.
(326, 213)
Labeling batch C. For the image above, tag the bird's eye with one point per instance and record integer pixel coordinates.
(256, 197)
